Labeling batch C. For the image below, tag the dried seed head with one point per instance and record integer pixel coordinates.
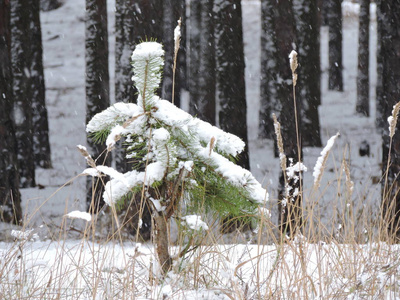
(293, 65)
(177, 36)
(393, 119)
(85, 153)
(212, 145)
(282, 156)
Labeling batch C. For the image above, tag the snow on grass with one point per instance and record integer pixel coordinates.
(321, 161)
(86, 270)
(76, 214)
(194, 222)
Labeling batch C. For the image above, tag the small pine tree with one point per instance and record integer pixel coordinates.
(178, 158)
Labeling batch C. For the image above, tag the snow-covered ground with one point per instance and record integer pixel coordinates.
(82, 269)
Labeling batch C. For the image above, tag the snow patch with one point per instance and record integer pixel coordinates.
(194, 222)
(76, 214)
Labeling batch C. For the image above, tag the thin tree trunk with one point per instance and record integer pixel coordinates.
(97, 87)
(231, 89)
(335, 45)
(161, 241)
(362, 106)
(10, 198)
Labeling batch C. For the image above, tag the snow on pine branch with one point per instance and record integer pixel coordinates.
(112, 116)
(175, 117)
(147, 62)
(161, 126)
(115, 189)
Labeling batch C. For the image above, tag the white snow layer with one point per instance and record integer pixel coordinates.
(194, 222)
(115, 189)
(114, 135)
(76, 214)
(146, 51)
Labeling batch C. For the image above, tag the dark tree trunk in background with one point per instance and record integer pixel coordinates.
(183, 54)
(97, 88)
(31, 123)
(323, 12)
(362, 106)
(173, 11)
(335, 45)
(230, 67)
(202, 97)
(380, 118)
(22, 88)
(193, 53)
(135, 21)
(10, 199)
(290, 212)
(389, 96)
(309, 71)
(41, 142)
(268, 100)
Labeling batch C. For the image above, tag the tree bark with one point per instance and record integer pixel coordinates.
(335, 45)
(97, 88)
(10, 198)
(362, 106)
(230, 66)
(390, 95)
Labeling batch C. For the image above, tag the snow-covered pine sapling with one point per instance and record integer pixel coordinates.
(180, 158)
